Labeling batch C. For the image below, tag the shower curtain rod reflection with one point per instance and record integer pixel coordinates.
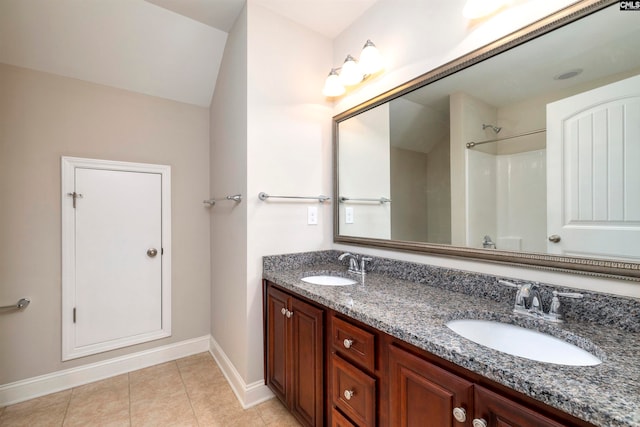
(473, 144)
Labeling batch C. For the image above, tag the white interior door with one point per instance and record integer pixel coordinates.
(116, 288)
(593, 172)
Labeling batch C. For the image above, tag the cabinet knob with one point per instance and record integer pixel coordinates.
(479, 422)
(460, 414)
(347, 343)
(348, 394)
(554, 238)
(283, 311)
(289, 314)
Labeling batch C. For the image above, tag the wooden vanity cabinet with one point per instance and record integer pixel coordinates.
(294, 354)
(353, 380)
(498, 411)
(374, 379)
(425, 394)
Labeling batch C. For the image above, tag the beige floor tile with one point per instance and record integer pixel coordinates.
(197, 359)
(163, 410)
(188, 392)
(44, 411)
(103, 403)
(154, 382)
(274, 413)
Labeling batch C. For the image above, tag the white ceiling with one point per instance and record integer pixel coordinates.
(166, 48)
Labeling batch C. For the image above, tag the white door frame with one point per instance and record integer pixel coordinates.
(68, 166)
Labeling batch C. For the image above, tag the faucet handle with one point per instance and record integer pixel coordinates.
(574, 295)
(555, 311)
(524, 290)
(363, 263)
(508, 283)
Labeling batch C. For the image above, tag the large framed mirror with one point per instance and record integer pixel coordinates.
(526, 151)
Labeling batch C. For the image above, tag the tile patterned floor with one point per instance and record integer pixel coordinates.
(186, 392)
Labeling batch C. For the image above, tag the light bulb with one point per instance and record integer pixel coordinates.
(350, 74)
(370, 59)
(333, 86)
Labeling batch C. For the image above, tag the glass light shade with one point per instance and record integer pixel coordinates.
(370, 59)
(350, 74)
(478, 8)
(333, 86)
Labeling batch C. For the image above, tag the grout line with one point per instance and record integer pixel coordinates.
(66, 409)
(129, 387)
(186, 391)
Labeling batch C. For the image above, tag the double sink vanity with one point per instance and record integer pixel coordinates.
(388, 347)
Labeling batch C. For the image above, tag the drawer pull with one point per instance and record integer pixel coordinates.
(348, 394)
(479, 422)
(347, 343)
(283, 311)
(460, 414)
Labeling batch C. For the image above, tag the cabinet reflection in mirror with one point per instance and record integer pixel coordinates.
(529, 156)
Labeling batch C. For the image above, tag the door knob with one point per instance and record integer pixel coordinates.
(152, 252)
(554, 238)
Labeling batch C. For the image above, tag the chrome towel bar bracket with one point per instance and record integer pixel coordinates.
(236, 198)
(23, 303)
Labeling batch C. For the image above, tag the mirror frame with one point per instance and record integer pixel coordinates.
(568, 264)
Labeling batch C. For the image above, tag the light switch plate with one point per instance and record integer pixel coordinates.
(348, 215)
(312, 215)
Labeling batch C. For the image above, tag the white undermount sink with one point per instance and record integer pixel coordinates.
(522, 342)
(328, 280)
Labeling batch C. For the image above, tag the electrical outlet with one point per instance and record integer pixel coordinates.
(348, 215)
(312, 215)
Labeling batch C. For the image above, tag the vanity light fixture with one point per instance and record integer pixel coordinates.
(353, 71)
(475, 9)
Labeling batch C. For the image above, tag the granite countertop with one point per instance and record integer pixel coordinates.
(605, 395)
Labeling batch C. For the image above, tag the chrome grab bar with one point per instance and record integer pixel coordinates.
(236, 198)
(23, 303)
(321, 198)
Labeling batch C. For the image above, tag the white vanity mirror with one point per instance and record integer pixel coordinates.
(526, 151)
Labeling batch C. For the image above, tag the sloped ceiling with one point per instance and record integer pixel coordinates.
(166, 48)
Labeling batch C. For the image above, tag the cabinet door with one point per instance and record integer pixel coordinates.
(277, 347)
(307, 389)
(498, 411)
(423, 394)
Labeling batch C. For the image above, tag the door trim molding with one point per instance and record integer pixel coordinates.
(68, 166)
(30, 388)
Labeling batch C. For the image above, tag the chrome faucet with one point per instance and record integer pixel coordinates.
(357, 264)
(529, 302)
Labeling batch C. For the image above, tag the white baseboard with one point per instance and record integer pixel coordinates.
(248, 394)
(20, 391)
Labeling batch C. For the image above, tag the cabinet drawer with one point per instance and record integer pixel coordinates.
(339, 420)
(354, 343)
(354, 392)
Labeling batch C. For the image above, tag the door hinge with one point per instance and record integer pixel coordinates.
(74, 315)
(161, 251)
(75, 196)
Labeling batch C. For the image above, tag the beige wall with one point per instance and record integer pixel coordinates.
(228, 135)
(43, 117)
